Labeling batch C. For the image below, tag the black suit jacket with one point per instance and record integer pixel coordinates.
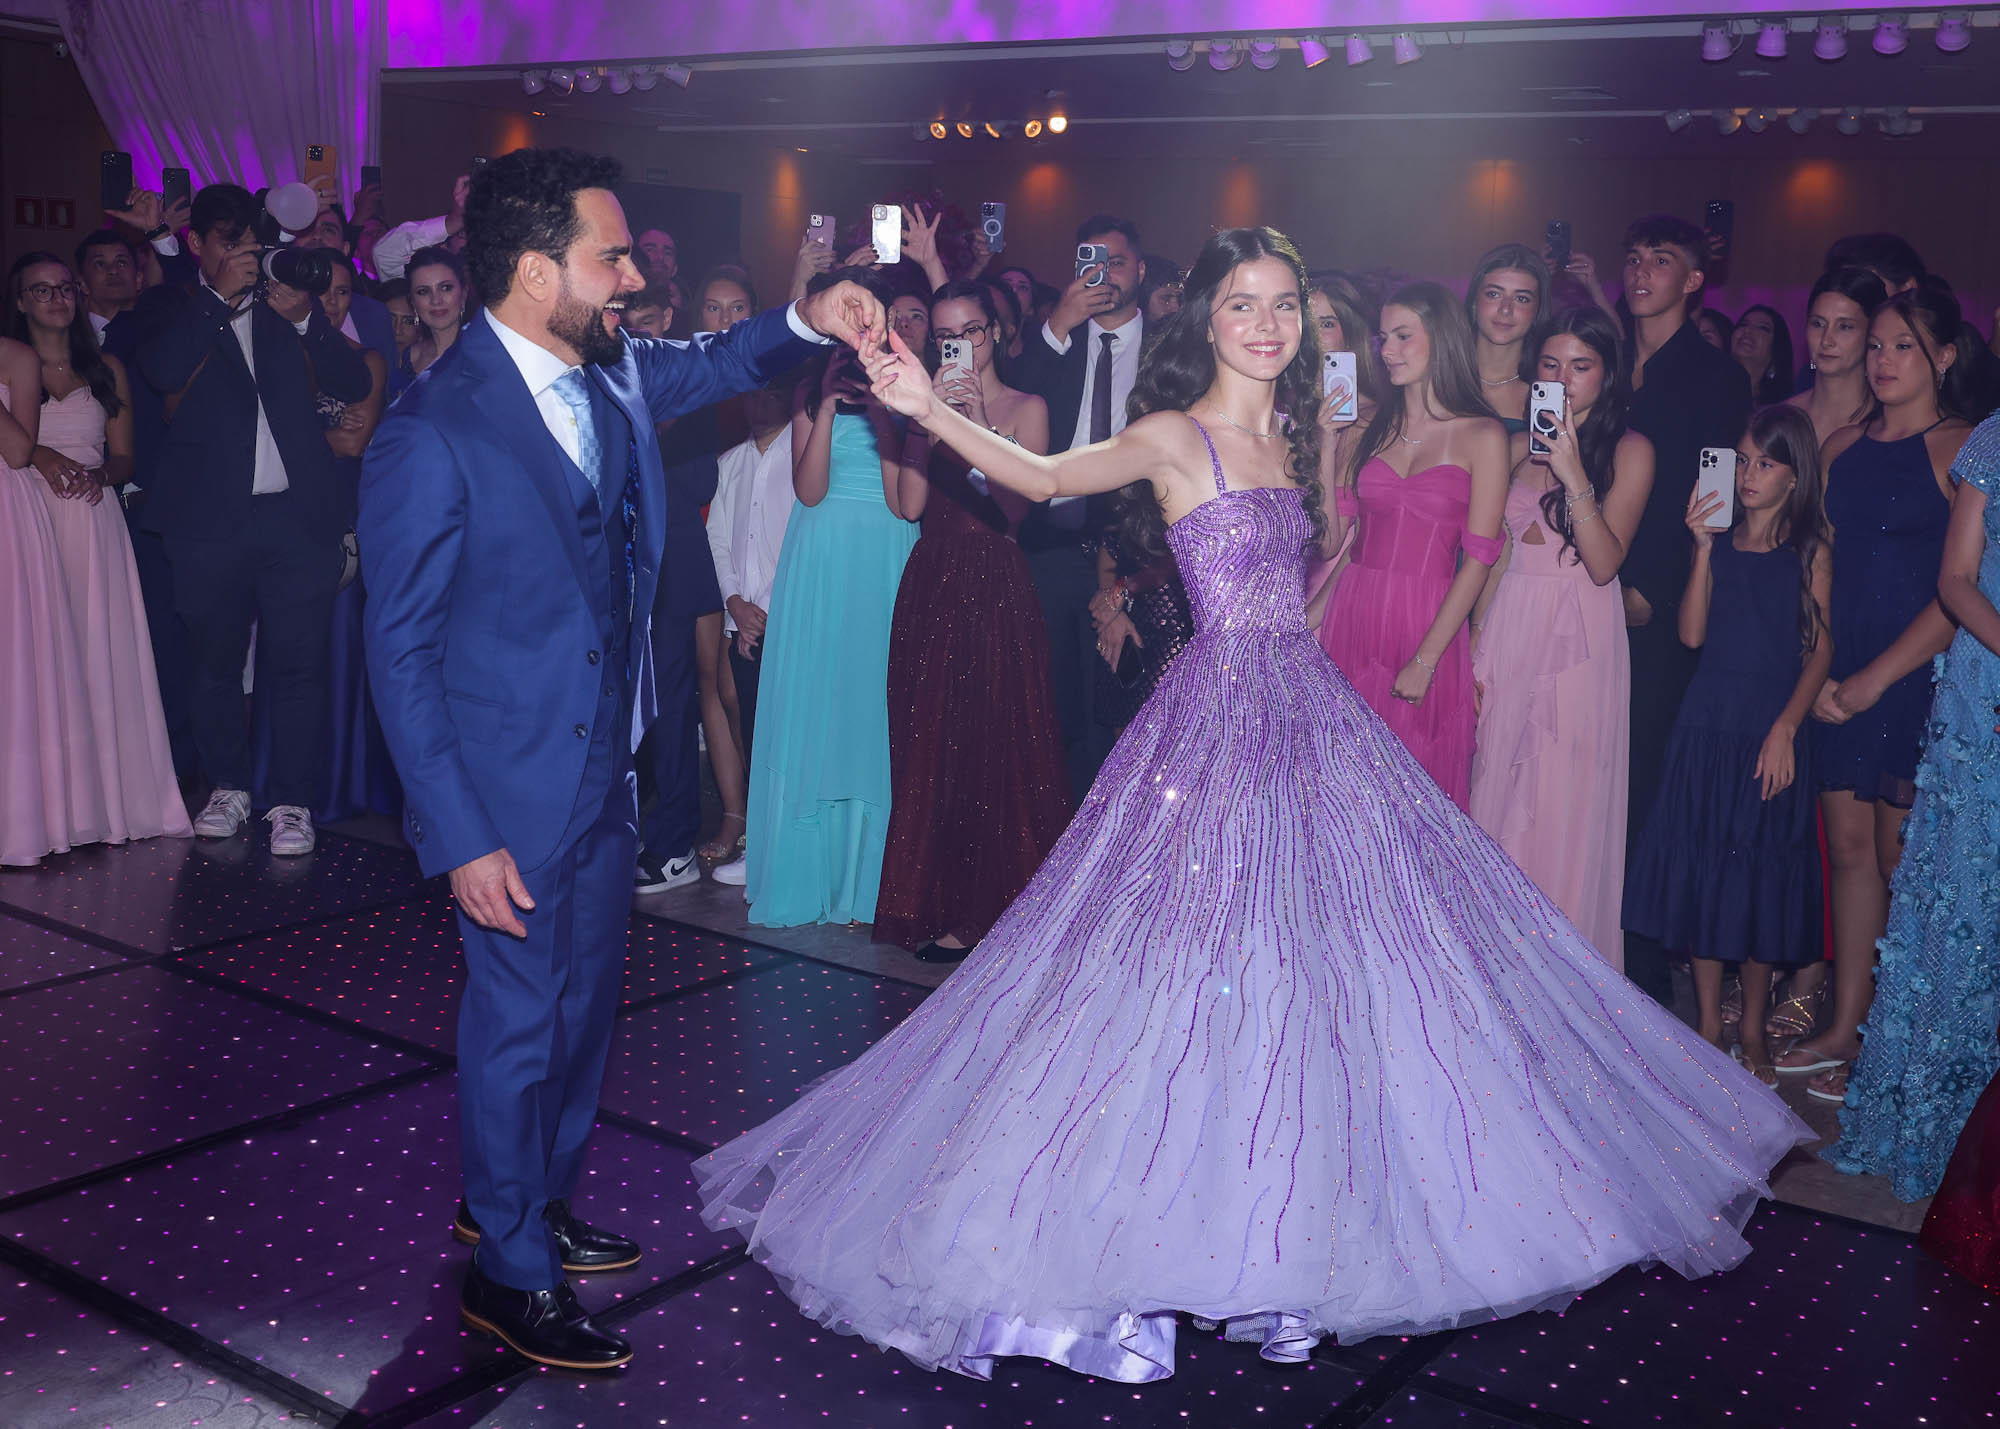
(201, 480)
(1057, 378)
(122, 338)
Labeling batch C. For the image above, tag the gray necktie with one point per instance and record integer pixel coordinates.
(574, 389)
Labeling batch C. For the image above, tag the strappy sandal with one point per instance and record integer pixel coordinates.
(1732, 1012)
(1797, 1016)
(1830, 1085)
(1820, 1063)
(721, 847)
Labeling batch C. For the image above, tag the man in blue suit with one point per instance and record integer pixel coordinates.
(511, 536)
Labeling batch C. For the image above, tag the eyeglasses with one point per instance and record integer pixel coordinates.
(974, 333)
(399, 320)
(48, 292)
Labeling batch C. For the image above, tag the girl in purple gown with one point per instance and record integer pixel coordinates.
(1276, 1036)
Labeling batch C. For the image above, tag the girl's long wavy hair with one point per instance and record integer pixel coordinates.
(86, 358)
(1453, 375)
(1178, 367)
(1597, 438)
(1521, 259)
(1785, 434)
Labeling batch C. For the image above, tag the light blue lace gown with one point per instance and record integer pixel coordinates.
(1929, 1047)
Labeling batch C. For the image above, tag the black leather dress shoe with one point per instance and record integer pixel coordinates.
(585, 1248)
(547, 1326)
(938, 953)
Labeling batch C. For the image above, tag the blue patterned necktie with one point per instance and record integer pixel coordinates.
(574, 389)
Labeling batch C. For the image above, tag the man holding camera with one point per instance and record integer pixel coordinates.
(245, 497)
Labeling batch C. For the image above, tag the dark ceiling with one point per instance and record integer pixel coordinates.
(1527, 96)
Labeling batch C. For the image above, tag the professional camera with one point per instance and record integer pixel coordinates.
(289, 210)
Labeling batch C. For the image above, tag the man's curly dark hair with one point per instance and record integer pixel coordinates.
(523, 203)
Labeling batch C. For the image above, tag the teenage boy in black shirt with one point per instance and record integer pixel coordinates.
(1686, 395)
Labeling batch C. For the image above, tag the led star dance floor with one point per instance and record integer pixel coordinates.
(230, 1161)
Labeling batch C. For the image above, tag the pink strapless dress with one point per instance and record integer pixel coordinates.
(1405, 555)
(86, 759)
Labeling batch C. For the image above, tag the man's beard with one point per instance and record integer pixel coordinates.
(582, 327)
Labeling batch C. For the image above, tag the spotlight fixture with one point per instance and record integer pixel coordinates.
(1954, 31)
(1727, 121)
(1830, 37)
(1757, 121)
(1224, 55)
(1263, 54)
(618, 81)
(590, 80)
(1312, 49)
(1058, 123)
(679, 74)
(533, 81)
(1771, 38)
(964, 128)
(1358, 51)
(1180, 55)
(562, 79)
(645, 77)
(1408, 51)
(1892, 37)
(1801, 120)
(1678, 119)
(1895, 121)
(992, 129)
(1849, 121)
(938, 129)
(1032, 129)
(1717, 44)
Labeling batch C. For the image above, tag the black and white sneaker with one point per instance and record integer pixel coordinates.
(657, 876)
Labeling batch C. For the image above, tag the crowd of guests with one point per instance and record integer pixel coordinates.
(1746, 724)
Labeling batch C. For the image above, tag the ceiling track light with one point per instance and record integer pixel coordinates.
(533, 81)
(992, 129)
(1772, 36)
(1800, 120)
(1892, 37)
(1224, 55)
(1408, 51)
(1263, 54)
(1058, 123)
(939, 129)
(679, 74)
(1678, 119)
(562, 79)
(1849, 121)
(1718, 43)
(1896, 121)
(1032, 129)
(618, 81)
(645, 77)
(1180, 55)
(1312, 50)
(964, 127)
(1954, 31)
(1830, 38)
(1358, 51)
(1757, 121)
(590, 80)
(1727, 121)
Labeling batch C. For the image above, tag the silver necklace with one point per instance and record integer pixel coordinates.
(1488, 382)
(1239, 426)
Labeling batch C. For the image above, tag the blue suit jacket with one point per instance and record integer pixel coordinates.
(373, 327)
(484, 646)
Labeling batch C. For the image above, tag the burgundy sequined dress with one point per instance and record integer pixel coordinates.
(975, 755)
(1276, 1037)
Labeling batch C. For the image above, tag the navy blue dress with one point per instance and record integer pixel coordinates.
(1888, 521)
(1720, 872)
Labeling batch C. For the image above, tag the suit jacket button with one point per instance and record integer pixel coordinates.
(580, 732)
(592, 657)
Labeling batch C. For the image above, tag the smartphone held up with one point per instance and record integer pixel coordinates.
(886, 226)
(1548, 405)
(1339, 384)
(1717, 478)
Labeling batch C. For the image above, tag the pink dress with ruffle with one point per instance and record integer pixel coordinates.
(1548, 779)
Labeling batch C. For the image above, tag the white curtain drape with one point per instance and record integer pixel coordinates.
(234, 90)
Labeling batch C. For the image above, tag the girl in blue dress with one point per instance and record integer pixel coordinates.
(1928, 1048)
(1728, 867)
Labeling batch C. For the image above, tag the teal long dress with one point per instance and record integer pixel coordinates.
(819, 776)
(1928, 1048)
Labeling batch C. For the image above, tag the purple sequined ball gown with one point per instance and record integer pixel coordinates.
(1276, 1037)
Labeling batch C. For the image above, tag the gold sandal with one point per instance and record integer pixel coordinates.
(1796, 1016)
(720, 847)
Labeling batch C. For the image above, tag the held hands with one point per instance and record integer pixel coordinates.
(898, 379)
(1775, 761)
(1700, 509)
(67, 479)
(1839, 701)
(846, 312)
(489, 889)
(1413, 681)
(750, 621)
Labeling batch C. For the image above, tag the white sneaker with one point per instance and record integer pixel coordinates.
(225, 815)
(291, 831)
(669, 873)
(735, 873)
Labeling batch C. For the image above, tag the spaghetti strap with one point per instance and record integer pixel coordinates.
(1214, 461)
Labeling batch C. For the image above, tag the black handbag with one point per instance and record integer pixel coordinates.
(1158, 606)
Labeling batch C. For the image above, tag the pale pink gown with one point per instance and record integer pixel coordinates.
(1549, 771)
(86, 757)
